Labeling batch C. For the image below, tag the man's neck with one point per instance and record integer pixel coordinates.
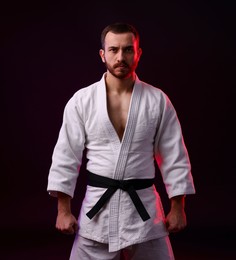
(117, 85)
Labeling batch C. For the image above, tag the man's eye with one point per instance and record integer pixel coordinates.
(129, 50)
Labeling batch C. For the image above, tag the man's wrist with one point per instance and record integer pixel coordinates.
(178, 202)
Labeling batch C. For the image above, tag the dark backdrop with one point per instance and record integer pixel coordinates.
(49, 50)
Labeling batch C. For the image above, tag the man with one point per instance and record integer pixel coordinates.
(124, 124)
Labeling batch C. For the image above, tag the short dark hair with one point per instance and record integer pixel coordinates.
(119, 27)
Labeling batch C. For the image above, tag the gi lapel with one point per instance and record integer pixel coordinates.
(120, 149)
(129, 131)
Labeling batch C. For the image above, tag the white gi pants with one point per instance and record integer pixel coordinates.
(157, 249)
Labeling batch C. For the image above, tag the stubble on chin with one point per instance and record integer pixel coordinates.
(118, 71)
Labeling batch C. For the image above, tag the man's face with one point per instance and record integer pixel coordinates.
(121, 54)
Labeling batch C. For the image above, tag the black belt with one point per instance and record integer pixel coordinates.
(112, 185)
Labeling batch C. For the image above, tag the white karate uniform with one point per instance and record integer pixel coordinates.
(152, 132)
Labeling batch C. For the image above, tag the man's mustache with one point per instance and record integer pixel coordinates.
(121, 64)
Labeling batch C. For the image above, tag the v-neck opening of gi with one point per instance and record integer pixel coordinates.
(127, 120)
(118, 145)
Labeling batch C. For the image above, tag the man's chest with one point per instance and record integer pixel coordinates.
(118, 110)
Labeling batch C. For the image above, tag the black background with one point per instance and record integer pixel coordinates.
(49, 50)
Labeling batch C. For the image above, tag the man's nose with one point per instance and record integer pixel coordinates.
(120, 56)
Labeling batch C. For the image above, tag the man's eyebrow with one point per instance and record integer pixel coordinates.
(129, 46)
(124, 47)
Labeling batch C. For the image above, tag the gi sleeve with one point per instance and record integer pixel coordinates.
(68, 151)
(171, 154)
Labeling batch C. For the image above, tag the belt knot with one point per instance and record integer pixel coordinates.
(123, 184)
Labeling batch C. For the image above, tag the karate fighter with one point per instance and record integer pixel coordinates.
(124, 125)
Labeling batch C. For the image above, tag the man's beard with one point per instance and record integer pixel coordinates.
(122, 74)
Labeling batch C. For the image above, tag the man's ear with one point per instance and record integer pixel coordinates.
(140, 51)
(101, 53)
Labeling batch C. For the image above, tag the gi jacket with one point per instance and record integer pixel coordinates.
(152, 132)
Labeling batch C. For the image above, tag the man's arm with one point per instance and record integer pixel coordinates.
(66, 222)
(176, 219)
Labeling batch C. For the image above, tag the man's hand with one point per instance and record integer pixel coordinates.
(66, 223)
(176, 219)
